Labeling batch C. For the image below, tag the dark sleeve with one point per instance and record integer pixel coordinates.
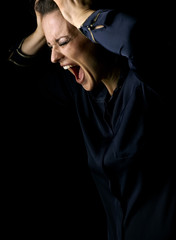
(142, 39)
(20, 59)
(115, 35)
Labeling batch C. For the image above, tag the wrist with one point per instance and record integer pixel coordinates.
(80, 20)
(20, 58)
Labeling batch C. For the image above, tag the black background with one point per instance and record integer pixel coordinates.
(46, 186)
(47, 189)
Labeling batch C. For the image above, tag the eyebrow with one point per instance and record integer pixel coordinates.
(57, 40)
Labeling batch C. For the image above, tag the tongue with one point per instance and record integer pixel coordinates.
(81, 74)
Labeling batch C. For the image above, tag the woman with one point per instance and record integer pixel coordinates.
(121, 117)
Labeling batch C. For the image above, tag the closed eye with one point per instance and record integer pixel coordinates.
(63, 41)
(60, 42)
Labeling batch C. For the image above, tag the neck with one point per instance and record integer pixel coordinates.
(111, 82)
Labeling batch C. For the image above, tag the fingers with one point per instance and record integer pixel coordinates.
(60, 3)
(36, 1)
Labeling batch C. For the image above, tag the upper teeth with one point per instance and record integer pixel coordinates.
(67, 67)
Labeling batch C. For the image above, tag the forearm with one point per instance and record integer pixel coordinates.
(33, 43)
(24, 53)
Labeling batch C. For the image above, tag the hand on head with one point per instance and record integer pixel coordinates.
(38, 19)
(75, 11)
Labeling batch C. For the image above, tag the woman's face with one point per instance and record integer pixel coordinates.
(73, 50)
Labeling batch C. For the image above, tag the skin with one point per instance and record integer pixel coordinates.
(75, 11)
(90, 63)
(34, 42)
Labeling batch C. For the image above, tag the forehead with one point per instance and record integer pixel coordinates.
(55, 26)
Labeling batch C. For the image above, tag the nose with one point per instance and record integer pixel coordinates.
(56, 55)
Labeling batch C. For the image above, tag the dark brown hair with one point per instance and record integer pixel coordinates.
(45, 6)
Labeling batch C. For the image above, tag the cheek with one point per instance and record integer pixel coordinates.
(81, 48)
(85, 54)
(72, 51)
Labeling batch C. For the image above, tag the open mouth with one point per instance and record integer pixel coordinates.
(77, 71)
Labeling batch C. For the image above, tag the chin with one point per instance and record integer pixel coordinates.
(88, 86)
